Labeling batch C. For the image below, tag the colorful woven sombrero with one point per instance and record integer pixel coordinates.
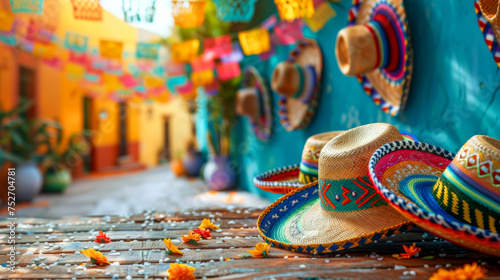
(488, 18)
(408, 136)
(454, 197)
(297, 82)
(286, 179)
(376, 48)
(342, 209)
(254, 100)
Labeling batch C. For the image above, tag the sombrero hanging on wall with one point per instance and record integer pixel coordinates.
(254, 100)
(456, 197)
(286, 179)
(297, 82)
(342, 209)
(488, 18)
(376, 48)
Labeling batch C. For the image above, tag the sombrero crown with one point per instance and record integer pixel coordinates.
(284, 180)
(341, 210)
(469, 188)
(343, 168)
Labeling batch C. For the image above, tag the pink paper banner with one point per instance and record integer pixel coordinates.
(202, 63)
(288, 33)
(174, 68)
(217, 47)
(128, 81)
(228, 71)
(78, 58)
(185, 89)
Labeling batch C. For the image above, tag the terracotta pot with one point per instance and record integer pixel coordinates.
(218, 175)
(56, 181)
(177, 167)
(29, 181)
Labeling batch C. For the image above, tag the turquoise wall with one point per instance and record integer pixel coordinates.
(452, 95)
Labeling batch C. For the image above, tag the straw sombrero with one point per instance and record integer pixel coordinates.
(376, 48)
(286, 179)
(297, 82)
(254, 100)
(488, 18)
(342, 209)
(456, 197)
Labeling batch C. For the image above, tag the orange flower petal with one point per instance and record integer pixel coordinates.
(178, 271)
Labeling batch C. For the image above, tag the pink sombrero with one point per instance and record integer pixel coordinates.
(456, 197)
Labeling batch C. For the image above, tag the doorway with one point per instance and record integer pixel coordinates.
(27, 90)
(166, 148)
(123, 129)
(87, 113)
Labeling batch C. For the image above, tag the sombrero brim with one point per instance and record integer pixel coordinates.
(261, 125)
(282, 224)
(387, 89)
(392, 163)
(293, 113)
(281, 180)
(488, 33)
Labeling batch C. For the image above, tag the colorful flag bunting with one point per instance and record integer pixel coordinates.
(254, 41)
(6, 16)
(111, 49)
(188, 13)
(202, 78)
(289, 33)
(217, 47)
(27, 6)
(76, 42)
(185, 51)
(323, 13)
(87, 10)
(289, 10)
(235, 10)
(228, 71)
(147, 50)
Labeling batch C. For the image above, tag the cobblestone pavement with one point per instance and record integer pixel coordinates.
(132, 193)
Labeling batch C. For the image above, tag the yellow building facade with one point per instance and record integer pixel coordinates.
(125, 135)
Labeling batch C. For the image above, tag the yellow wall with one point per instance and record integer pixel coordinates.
(61, 98)
(110, 28)
(7, 78)
(152, 129)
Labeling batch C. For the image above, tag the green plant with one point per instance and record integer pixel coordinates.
(22, 140)
(58, 158)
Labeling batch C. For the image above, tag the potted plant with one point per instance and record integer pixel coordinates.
(59, 161)
(22, 143)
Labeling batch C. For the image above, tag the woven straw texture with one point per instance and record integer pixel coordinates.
(405, 173)
(300, 218)
(310, 155)
(285, 179)
(490, 10)
(347, 156)
(491, 33)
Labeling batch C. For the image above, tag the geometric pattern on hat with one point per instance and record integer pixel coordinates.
(488, 34)
(270, 219)
(281, 180)
(365, 82)
(429, 217)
